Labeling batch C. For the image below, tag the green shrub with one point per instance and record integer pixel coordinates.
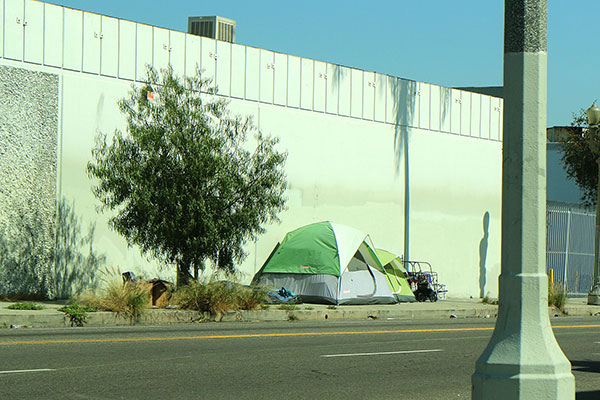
(557, 297)
(77, 313)
(26, 306)
(331, 307)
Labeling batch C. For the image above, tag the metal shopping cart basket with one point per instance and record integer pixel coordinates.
(424, 281)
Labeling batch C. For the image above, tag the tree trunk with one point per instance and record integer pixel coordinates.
(183, 275)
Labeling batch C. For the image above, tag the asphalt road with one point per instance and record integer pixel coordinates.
(293, 360)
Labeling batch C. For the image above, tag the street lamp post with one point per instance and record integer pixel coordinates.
(593, 141)
(523, 360)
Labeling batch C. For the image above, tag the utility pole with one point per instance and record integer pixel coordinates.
(523, 360)
(592, 136)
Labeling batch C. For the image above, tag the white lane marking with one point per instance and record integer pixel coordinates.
(26, 370)
(382, 353)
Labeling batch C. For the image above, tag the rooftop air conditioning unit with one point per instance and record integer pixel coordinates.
(213, 27)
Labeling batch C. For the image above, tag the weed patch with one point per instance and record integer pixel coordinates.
(557, 297)
(26, 306)
(288, 307)
(488, 300)
(77, 313)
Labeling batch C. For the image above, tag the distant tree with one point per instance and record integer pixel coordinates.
(181, 183)
(579, 161)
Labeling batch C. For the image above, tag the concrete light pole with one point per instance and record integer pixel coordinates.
(593, 117)
(523, 360)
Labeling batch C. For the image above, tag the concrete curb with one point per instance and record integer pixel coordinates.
(357, 314)
(52, 318)
(56, 319)
(580, 311)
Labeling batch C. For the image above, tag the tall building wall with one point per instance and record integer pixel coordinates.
(362, 146)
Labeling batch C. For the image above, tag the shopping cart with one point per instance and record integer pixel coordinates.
(424, 281)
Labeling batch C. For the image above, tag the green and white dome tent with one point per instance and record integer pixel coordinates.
(329, 263)
(396, 273)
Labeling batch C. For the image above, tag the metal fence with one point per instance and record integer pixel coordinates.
(570, 246)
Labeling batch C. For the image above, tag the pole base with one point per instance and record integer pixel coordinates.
(594, 296)
(523, 360)
(548, 385)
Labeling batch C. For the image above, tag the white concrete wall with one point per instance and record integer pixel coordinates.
(344, 130)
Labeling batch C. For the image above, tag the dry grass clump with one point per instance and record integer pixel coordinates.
(213, 297)
(218, 297)
(489, 300)
(126, 298)
(129, 298)
(91, 301)
(557, 297)
(250, 298)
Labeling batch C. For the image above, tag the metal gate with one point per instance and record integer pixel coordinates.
(570, 246)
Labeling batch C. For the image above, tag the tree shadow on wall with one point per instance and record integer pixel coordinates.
(25, 253)
(404, 95)
(339, 73)
(47, 259)
(75, 261)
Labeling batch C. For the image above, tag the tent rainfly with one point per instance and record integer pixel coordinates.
(396, 273)
(327, 263)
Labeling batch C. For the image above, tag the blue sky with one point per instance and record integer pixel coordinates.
(449, 43)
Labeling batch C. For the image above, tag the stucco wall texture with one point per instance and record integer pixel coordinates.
(28, 142)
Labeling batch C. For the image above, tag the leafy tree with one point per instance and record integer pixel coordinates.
(579, 161)
(182, 184)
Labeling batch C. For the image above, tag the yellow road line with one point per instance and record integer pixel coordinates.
(266, 335)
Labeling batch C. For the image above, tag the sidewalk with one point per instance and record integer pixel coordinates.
(50, 317)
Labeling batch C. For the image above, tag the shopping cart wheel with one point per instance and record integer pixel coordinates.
(433, 297)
